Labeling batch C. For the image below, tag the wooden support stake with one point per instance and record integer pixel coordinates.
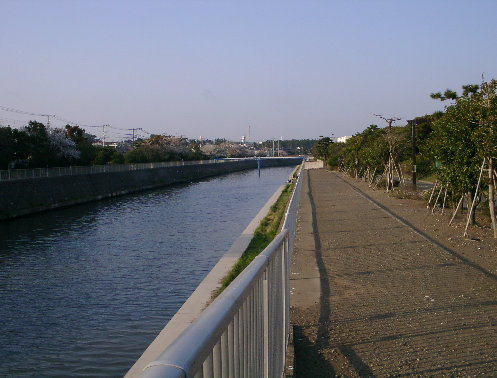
(372, 178)
(432, 191)
(474, 199)
(401, 174)
(445, 198)
(457, 209)
(491, 195)
(436, 201)
(377, 182)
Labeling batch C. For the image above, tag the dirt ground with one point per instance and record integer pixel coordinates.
(380, 286)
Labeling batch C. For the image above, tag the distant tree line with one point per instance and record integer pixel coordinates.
(36, 146)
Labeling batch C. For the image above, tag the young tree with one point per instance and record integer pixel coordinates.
(394, 141)
(487, 138)
(321, 149)
(463, 137)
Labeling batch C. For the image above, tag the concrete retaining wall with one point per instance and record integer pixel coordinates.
(21, 197)
(318, 164)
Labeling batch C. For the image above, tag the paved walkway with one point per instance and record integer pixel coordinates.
(371, 297)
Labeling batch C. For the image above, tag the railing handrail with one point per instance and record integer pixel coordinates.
(186, 355)
(29, 173)
(192, 347)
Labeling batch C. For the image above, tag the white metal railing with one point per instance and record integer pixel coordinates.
(244, 332)
(20, 174)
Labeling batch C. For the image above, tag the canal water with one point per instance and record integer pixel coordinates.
(84, 290)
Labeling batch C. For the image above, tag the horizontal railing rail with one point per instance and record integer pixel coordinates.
(21, 174)
(244, 332)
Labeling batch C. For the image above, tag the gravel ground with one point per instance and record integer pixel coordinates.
(380, 286)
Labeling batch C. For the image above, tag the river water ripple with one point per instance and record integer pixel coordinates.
(84, 290)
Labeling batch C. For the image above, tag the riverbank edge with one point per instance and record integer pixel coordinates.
(202, 295)
(28, 196)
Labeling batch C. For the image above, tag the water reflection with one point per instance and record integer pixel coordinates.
(85, 289)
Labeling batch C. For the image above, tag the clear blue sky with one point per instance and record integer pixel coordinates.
(291, 69)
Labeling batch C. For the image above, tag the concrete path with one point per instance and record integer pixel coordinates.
(370, 296)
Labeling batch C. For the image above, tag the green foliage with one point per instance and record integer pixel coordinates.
(7, 147)
(83, 144)
(453, 146)
(368, 149)
(135, 156)
(163, 148)
(335, 150)
(464, 135)
(107, 155)
(35, 146)
(263, 235)
(321, 148)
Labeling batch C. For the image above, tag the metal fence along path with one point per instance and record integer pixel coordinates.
(244, 332)
(20, 174)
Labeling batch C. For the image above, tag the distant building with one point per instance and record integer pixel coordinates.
(343, 139)
(107, 144)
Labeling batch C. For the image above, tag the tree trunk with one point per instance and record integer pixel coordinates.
(491, 195)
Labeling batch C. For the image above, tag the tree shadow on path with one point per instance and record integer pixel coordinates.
(309, 361)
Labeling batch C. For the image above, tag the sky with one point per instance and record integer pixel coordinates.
(288, 69)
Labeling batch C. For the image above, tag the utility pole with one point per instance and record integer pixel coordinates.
(48, 118)
(136, 128)
(103, 138)
(273, 147)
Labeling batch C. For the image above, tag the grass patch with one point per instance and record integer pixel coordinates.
(430, 178)
(263, 235)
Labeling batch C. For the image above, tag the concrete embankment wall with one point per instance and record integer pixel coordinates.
(318, 164)
(21, 197)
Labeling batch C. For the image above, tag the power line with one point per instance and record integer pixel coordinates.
(103, 127)
(7, 109)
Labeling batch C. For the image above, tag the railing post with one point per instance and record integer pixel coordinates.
(216, 360)
(260, 313)
(241, 342)
(284, 297)
(265, 304)
(250, 330)
(245, 338)
(225, 358)
(208, 368)
(236, 345)
(231, 349)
